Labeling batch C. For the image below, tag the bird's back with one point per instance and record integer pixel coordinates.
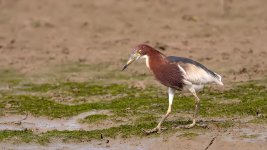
(194, 72)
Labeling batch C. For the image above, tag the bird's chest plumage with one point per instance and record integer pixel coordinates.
(166, 73)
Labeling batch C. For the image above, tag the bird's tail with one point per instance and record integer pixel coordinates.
(218, 79)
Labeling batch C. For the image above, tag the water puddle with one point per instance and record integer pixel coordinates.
(43, 124)
(53, 146)
(247, 134)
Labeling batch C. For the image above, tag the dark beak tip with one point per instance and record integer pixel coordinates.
(124, 67)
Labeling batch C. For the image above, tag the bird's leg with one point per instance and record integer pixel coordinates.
(158, 127)
(197, 105)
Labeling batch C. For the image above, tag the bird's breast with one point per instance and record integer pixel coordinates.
(168, 74)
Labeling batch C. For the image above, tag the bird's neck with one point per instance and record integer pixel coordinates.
(155, 59)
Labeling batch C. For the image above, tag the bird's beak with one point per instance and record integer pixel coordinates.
(132, 58)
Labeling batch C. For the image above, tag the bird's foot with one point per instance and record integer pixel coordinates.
(203, 125)
(189, 126)
(184, 127)
(157, 129)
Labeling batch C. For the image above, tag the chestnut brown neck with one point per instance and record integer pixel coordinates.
(155, 59)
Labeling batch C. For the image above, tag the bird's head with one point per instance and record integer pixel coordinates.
(138, 52)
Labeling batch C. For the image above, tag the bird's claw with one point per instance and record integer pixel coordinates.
(203, 125)
(147, 132)
(156, 129)
(191, 126)
(188, 126)
(184, 127)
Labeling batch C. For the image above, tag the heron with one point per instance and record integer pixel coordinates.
(176, 73)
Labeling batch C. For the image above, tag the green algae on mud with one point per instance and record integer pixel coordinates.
(188, 135)
(24, 136)
(252, 101)
(145, 105)
(262, 119)
(146, 117)
(251, 136)
(94, 72)
(76, 88)
(94, 118)
(225, 124)
(123, 131)
(10, 77)
(42, 106)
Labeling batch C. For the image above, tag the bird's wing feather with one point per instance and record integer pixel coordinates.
(195, 72)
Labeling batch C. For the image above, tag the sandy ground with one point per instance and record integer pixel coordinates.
(35, 36)
(231, 139)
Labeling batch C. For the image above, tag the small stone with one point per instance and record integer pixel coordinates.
(65, 51)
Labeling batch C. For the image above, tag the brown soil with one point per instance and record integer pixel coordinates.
(231, 139)
(36, 36)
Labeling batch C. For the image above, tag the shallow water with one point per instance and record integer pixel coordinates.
(56, 146)
(42, 124)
